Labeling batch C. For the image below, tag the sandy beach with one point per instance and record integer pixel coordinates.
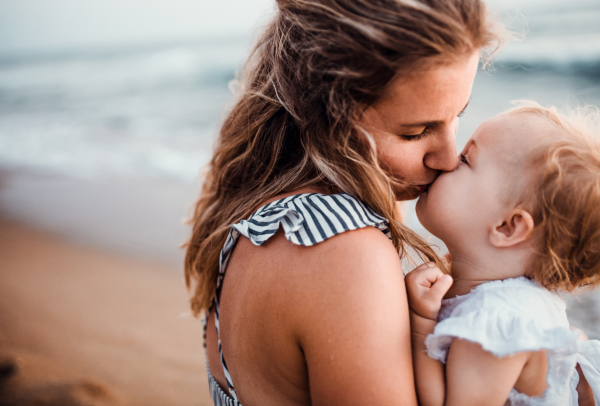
(81, 326)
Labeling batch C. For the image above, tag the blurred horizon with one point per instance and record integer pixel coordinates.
(69, 26)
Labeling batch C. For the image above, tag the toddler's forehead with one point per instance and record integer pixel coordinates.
(506, 144)
(511, 136)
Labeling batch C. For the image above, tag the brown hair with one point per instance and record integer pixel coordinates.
(294, 124)
(563, 197)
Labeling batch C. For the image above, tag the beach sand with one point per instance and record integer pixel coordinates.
(80, 326)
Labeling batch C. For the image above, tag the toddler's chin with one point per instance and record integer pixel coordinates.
(426, 214)
(421, 209)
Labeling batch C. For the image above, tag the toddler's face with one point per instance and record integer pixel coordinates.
(462, 206)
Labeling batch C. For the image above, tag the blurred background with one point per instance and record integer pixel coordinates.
(108, 111)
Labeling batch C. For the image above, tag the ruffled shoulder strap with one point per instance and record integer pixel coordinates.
(310, 218)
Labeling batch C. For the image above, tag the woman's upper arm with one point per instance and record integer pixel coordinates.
(354, 328)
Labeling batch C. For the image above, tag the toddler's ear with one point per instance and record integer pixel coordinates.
(515, 228)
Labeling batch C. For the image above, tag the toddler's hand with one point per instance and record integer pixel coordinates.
(426, 286)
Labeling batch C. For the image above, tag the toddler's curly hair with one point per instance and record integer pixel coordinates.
(563, 197)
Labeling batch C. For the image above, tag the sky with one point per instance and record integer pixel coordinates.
(68, 24)
(71, 24)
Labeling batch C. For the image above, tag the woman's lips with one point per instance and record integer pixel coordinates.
(423, 188)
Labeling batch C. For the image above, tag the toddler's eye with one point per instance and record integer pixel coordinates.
(463, 158)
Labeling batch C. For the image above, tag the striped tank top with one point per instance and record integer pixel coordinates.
(306, 219)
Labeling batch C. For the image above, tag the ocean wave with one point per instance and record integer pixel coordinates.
(572, 55)
(553, 35)
(145, 112)
(85, 73)
(62, 150)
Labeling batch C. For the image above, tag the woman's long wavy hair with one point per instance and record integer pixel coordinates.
(317, 65)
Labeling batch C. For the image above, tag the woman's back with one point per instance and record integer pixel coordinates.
(289, 312)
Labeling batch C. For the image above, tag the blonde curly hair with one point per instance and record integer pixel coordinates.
(563, 196)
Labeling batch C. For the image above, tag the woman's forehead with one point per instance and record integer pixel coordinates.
(436, 94)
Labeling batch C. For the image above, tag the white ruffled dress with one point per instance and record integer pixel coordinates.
(514, 315)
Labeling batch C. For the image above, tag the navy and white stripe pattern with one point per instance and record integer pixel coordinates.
(306, 219)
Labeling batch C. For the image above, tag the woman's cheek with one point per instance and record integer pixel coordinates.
(404, 161)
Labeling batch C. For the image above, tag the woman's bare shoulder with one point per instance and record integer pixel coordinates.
(357, 254)
(350, 272)
(343, 302)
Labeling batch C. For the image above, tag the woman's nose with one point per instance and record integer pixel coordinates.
(442, 155)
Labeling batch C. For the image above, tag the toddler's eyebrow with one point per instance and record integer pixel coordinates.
(470, 145)
(433, 123)
(466, 105)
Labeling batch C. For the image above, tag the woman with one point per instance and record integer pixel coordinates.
(345, 108)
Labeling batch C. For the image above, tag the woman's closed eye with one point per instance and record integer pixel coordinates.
(427, 129)
(416, 137)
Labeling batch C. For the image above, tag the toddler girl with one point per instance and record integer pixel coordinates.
(520, 216)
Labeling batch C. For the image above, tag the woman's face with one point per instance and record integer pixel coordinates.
(414, 123)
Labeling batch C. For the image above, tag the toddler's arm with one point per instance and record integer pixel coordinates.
(477, 377)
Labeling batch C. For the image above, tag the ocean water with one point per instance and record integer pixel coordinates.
(125, 112)
(154, 111)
